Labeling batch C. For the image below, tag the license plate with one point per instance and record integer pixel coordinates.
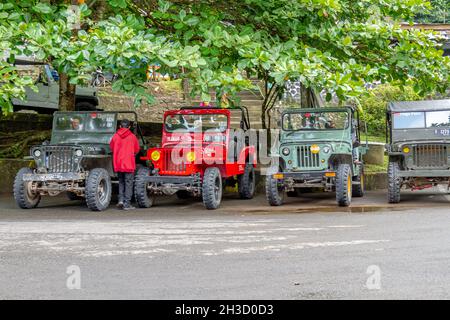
(442, 132)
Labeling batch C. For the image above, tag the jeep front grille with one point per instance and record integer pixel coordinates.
(307, 159)
(430, 156)
(59, 159)
(171, 166)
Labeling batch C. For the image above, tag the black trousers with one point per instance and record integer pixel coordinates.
(126, 180)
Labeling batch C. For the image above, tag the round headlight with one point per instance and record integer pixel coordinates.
(286, 151)
(156, 155)
(37, 153)
(315, 148)
(406, 150)
(326, 149)
(190, 156)
(79, 153)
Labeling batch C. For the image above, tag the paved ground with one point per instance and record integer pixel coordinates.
(307, 249)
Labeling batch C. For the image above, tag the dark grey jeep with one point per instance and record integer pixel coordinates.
(76, 161)
(418, 145)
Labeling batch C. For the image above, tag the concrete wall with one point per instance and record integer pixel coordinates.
(375, 154)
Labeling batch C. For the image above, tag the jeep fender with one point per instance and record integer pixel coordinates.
(248, 154)
(397, 157)
(89, 163)
(340, 158)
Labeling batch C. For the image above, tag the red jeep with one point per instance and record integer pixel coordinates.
(202, 150)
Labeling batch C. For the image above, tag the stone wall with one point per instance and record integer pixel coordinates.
(9, 168)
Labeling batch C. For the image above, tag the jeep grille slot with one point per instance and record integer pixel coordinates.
(171, 167)
(307, 159)
(430, 156)
(59, 159)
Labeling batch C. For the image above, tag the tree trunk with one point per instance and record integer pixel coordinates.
(308, 99)
(186, 91)
(99, 10)
(66, 93)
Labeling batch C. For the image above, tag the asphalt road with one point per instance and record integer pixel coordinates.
(308, 249)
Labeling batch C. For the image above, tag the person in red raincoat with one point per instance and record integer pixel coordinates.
(124, 146)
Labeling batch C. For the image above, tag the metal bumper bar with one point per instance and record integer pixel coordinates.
(304, 175)
(172, 179)
(57, 177)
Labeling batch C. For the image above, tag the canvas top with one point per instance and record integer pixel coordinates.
(425, 105)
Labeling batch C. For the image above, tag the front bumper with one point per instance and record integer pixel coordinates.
(172, 180)
(54, 177)
(304, 176)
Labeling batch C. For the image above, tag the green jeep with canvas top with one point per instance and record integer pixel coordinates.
(418, 145)
(319, 148)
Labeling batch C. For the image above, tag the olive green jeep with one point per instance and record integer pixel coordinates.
(319, 148)
(418, 145)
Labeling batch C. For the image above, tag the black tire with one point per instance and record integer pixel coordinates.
(98, 189)
(183, 195)
(274, 192)
(247, 182)
(358, 189)
(394, 183)
(344, 185)
(72, 196)
(143, 198)
(212, 188)
(85, 106)
(22, 194)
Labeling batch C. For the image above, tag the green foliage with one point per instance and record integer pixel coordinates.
(439, 13)
(374, 105)
(332, 45)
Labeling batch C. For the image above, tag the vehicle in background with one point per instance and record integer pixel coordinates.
(46, 100)
(77, 160)
(203, 149)
(319, 148)
(418, 145)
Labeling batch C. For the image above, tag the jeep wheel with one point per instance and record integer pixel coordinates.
(246, 182)
(344, 185)
(144, 198)
(72, 196)
(274, 191)
(23, 194)
(98, 189)
(394, 183)
(212, 188)
(358, 189)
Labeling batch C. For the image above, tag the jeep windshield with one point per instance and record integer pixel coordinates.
(88, 122)
(83, 128)
(332, 120)
(421, 120)
(183, 123)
